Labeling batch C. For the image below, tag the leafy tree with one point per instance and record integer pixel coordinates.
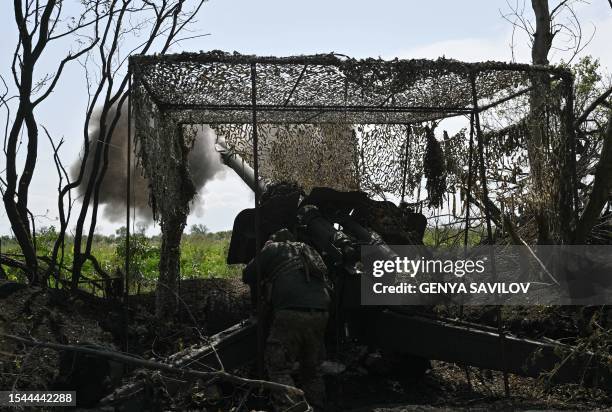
(198, 229)
(142, 252)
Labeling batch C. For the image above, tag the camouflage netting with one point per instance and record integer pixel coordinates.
(162, 146)
(310, 155)
(216, 87)
(162, 149)
(328, 120)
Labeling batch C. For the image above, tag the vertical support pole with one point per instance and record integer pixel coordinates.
(469, 184)
(485, 202)
(468, 195)
(126, 291)
(258, 240)
(405, 163)
(568, 189)
(2, 273)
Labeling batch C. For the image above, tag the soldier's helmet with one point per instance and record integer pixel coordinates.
(282, 235)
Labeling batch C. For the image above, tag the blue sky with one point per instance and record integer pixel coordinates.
(468, 30)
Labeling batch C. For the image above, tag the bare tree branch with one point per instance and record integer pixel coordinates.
(599, 191)
(35, 21)
(600, 100)
(151, 365)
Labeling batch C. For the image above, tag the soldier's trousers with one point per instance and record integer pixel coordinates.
(296, 343)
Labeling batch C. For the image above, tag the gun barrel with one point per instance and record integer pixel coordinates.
(237, 163)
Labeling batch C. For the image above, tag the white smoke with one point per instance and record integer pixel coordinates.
(204, 165)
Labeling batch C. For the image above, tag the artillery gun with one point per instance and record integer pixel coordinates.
(338, 224)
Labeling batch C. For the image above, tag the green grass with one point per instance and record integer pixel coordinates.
(203, 255)
(450, 237)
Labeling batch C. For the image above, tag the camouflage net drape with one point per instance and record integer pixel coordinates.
(348, 124)
(216, 87)
(310, 155)
(162, 147)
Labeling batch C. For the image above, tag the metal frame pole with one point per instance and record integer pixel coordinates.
(485, 201)
(469, 183)
(126, 291)
(260, 307)
(405, 165)
(570, 203)
(468, 195)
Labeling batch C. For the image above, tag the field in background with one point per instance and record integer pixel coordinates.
(203, 256)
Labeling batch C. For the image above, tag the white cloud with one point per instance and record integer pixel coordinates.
(498, 48)
(468, 49)
(601, 46)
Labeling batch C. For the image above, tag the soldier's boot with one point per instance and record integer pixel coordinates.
(283, 402)
(280, 365)
(314, 389)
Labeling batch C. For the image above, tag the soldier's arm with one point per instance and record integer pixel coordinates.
(267, 254)
(249, 274)
(316, 260)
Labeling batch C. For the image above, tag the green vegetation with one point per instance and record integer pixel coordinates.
(452, 236)
(203, 255)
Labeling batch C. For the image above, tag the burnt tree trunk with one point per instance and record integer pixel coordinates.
(166, 296)
(36, 23)
(536, 148)
(566, 169)
(173, 189)
(104, 135)
(16, 207)
(162, 150)
(15, 196)
(600, 192)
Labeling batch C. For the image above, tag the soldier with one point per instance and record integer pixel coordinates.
(294, 286)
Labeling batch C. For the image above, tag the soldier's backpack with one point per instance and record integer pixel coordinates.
(307, 258)
(311, 261)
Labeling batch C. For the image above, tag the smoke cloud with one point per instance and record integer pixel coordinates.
(204, 164)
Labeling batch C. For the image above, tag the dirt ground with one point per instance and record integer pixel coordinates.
(445, 387)
(212, 305)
